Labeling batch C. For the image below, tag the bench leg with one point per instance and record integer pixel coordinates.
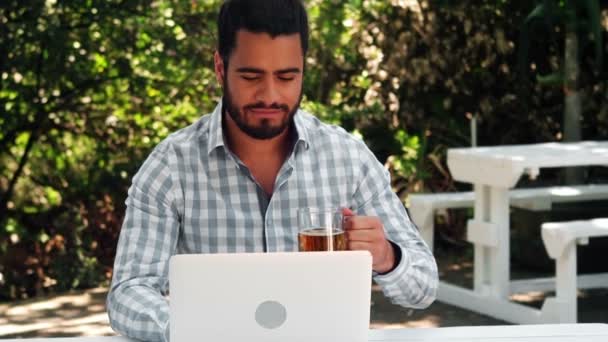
(427, 231)
(424, 218)
(563, 307)
(500, 254)
(566, 289)
(481, 271)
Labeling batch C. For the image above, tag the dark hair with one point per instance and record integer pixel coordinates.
(275, 17)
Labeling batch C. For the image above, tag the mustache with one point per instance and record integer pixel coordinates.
(262, 105)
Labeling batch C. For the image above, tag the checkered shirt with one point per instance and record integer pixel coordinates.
(192, 195)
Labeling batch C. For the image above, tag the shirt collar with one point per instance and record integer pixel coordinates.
(216, 130)
(301, 129)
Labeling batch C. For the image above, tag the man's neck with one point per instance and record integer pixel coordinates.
(248, 148)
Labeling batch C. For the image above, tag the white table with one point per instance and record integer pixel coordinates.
(514, 333)
(511, 333)
(493, 171)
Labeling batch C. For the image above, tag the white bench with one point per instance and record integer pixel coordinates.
(560, 239)
(422, 207)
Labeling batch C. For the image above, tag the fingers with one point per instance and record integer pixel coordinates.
(362, 222)
(364, 235)
(378, 254)
(363, 228)
(347, 212)
(360, 246)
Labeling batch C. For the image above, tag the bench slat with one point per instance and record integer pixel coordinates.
(556, 235)
(560, 194)
(422, 206)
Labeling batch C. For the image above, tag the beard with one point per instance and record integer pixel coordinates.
(264, 130)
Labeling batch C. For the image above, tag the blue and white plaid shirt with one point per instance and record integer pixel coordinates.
(192, 195)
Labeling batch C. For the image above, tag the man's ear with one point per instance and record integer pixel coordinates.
(219, 67)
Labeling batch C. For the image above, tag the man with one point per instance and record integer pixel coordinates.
(233, 181)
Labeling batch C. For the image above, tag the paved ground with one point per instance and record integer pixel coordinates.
(83, 313)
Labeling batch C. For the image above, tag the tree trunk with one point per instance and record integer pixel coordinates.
(572, 99)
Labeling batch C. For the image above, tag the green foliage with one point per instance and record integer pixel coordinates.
(87, 88)
(405, 163)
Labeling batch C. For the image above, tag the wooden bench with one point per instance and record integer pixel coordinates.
(422, 207)
(560, 239)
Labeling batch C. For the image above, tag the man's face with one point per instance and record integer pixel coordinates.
(263, 83)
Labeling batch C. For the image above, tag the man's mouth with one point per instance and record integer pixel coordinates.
(266, 112)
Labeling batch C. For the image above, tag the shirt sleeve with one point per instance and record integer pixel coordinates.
(413, 282)
(136, 303)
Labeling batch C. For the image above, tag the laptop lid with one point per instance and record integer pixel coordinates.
(314, 296)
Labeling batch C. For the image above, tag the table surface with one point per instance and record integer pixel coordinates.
(503, 165)
(510, 333)
(543, 154)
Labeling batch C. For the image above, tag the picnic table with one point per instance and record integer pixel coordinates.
(494, 171)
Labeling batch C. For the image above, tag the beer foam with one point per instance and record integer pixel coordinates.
(321, 231)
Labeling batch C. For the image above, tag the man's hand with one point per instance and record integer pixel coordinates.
(366, 233)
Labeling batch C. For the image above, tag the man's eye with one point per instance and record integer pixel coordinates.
(286, 78)
(250, 78)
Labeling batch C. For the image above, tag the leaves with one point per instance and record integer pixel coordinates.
(75, 76)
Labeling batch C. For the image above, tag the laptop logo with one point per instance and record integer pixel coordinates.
(270, 314)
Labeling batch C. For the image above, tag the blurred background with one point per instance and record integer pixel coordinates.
(88, 88)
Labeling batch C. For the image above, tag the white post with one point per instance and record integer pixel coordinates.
(474, 130)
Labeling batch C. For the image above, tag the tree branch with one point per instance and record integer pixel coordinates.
(11, 186)
(10, 136)
(34, 135)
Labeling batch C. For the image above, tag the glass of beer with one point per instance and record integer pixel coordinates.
(320, 229)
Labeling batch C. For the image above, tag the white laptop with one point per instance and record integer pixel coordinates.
(314, 296)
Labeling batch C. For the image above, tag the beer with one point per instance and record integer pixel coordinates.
(317, 240)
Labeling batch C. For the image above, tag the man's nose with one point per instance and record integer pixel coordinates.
(268, 92)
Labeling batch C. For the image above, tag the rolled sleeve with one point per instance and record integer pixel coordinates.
(399, 282)
(413, 282)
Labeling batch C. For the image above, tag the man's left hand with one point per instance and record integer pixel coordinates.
(367, 233)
